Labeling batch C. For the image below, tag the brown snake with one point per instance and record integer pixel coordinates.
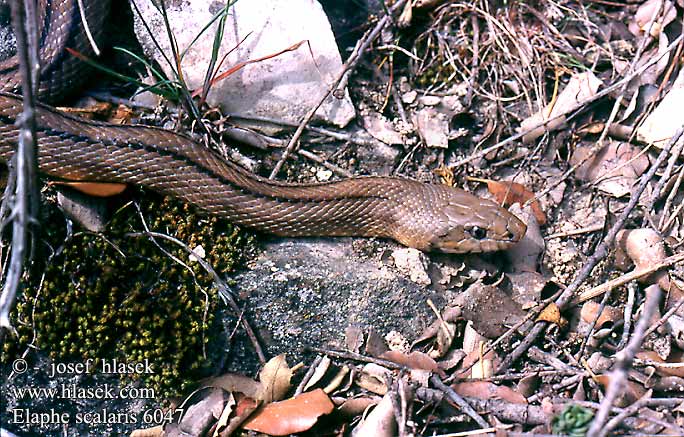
(424, 216)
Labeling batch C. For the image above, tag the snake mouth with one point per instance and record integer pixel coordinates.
(461, 243)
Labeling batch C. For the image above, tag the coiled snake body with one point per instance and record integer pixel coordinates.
(424, 216)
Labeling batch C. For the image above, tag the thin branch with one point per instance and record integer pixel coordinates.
(347, 68)
(25, 207)
(601, 251)
(618, 376)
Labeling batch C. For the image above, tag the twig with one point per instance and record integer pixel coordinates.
(665, 316)
(25, 208)
(628, 277)
(632, 409)
(601, 251)
(629, 306)
(577, 107)
(618, 376)
(458, 400)
(308, 375)
(348, 66)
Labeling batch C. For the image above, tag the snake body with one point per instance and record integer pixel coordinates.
(423, 216)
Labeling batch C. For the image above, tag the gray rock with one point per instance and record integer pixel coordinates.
(285, 86)
(305, 292)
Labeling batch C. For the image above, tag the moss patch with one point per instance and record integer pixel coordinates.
(121, 296)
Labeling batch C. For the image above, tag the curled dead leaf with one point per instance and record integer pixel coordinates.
(95, 189)
(609, 315)
(551, 313)
(275, 379)
(488, 390)
(291, 416)
(507, 193)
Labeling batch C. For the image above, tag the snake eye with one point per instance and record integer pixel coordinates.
(477, 232)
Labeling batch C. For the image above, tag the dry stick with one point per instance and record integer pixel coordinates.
(577, 107)
(600, 252)
(475, 62)
(592, 326)
(664, 224)
(357, 357)
(458, 400)
(348, 66)
(655, 195)
(618, 376)
(25, 206)
(308, 375)
(665, 316)
(632, 409)
(627, 277)
(632, 288)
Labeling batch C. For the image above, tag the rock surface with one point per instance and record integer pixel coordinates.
(305, 292)
(285, 86)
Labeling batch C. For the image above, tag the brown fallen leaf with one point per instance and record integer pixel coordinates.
(488, 390)
(95, 189)
(641, 20)
(614, 169)
(291, 416)
(629, 393)
(610, 315)
(414, 360)
(244, 408)
(380, 422)
(155, 431)
(673, 366)
(551, 313)
(275, 378)
(507, 193)
(356, 406)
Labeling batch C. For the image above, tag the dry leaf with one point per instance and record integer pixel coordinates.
(234, 383)
(356, 406)
(291, 416)
(609, 315)
(372, 378)
(155, 431)
(615, 168)
(380, 422)
(95, 189)
(673, 366)
(640, 22)
(629, 393)
(245, 407)
(507, 193)
(551, 313)
(319, 372)
(223, 419)
(488, 390)
(646, 249)
(275, 379)
(661, 124)
(353, 338)
(580, 87)
(414, 360)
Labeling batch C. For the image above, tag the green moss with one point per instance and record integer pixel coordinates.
(120, 296)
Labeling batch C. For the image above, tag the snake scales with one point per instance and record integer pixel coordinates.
(424, 216)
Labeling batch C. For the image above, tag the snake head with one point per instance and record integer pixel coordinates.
(462, 223)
